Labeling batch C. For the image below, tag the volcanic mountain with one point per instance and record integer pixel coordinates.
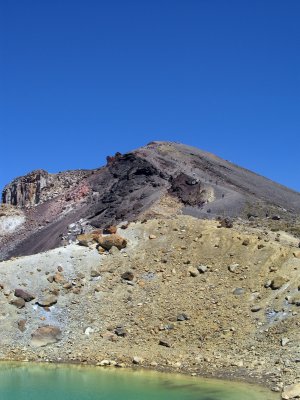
(167, 258)
(42, 211)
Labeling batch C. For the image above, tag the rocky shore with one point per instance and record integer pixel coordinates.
(172, 294)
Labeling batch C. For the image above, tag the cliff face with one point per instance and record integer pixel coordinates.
(39, 186)
(26, 191)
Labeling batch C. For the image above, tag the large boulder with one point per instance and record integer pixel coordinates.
(23, 294)
(22, 325)
(291, 391)
(107, 242)
(226, 223)
(45, 335)
(18, 302)
(112, 229)
(278, 281)
(47, 301)
(128, 276)
(295, 299)
(88, 238)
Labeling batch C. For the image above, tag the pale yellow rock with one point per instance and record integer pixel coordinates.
(291, 391)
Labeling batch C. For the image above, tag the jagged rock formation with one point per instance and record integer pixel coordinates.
(26, 190)
(39, 186)
(160, 178)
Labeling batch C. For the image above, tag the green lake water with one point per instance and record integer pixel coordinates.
(26, 381)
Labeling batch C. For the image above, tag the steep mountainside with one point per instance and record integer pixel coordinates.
(159, 179)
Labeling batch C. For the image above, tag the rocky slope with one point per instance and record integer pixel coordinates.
(156, 179)
(185, 294)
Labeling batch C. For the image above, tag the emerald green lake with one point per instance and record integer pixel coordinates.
(26, 381)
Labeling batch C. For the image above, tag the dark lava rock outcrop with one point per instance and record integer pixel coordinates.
(58, 207)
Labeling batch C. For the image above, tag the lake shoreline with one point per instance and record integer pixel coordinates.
(239, 377)
(235, 389)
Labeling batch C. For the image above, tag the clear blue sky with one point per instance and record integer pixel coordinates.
(81, 79)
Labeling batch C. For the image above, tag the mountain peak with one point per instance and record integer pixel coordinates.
(159, 178)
